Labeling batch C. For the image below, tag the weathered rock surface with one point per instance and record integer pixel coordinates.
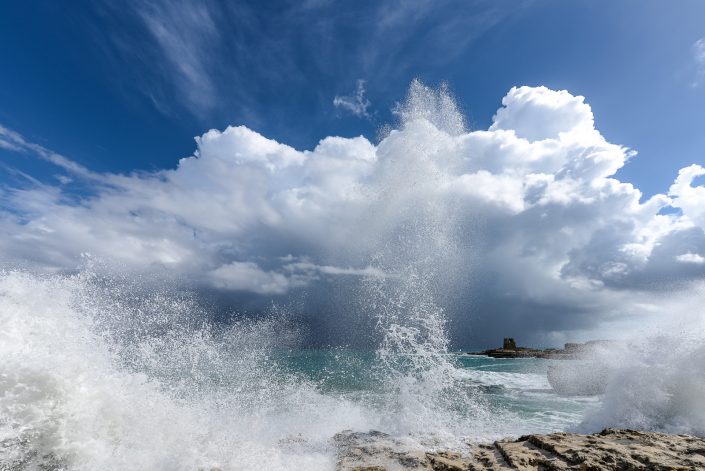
(611, 449)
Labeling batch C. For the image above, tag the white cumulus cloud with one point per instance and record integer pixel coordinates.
(546, 229)
(691, 258)
(248, 276)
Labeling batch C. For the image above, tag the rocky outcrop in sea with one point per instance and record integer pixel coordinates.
(611, 449)
(570, 351)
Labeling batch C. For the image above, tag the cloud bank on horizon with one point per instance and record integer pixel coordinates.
(551, 232)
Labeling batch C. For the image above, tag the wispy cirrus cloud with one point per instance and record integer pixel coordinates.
(356, 103)
(169, 52)
(210, 58)
(698, 51)
(187, 36)
(14, 141)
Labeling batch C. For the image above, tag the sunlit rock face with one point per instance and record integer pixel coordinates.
(609, 449)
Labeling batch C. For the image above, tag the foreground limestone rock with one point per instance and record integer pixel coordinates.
(611, 449)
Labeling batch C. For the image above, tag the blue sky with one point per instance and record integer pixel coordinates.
(119, 88)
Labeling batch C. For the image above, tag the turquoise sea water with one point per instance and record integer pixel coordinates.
(514, 393)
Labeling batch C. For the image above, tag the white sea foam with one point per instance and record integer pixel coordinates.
(522, 381)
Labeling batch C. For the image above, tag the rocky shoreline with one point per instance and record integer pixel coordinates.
(611, 449)
(570, 351)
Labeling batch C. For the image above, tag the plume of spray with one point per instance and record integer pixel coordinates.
(413, 241)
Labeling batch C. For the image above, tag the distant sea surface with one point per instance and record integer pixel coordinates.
(515, 390)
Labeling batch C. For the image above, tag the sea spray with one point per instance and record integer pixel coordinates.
(75, 394)
(415, 244)
(656, 381)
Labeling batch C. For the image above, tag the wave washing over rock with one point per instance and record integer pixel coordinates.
(104, 371)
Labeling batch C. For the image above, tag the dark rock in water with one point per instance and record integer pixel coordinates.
(611, 449)
(585, 378)
(509, 344)
(570, 351)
